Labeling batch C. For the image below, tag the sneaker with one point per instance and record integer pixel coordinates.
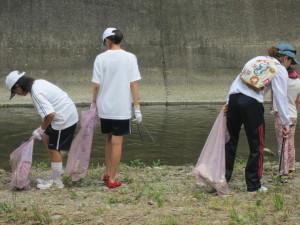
(45, 184)
(41, 181)
(262, 189)
(113, 184)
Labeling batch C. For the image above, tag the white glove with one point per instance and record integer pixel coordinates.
(138, 114)
(38, 133)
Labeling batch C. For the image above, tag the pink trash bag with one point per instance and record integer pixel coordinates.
(20, 160)
(80, 151)
(210, 168)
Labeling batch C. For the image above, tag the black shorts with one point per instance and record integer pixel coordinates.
(60, 139)
(115, 127)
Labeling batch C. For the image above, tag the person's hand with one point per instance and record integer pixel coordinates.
(225, 108)
(286, 132)
(38, 133)
(138, 114)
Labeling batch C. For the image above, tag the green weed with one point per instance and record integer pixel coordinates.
(113, 200)
(6, 207)
(41, 165)
(156, 163)
(41, 216)
(137, 163)
(278, 201)
(73, 195)
(157, 197)
(169, 220)
(236, 218)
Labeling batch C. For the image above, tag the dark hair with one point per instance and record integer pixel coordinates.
(25, 83)
(117, 38)
(273, 52)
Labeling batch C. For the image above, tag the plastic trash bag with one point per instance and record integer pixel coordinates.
(20, 160)
(80, 151)
(210, 168)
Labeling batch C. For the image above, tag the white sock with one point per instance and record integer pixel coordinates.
(56, 170)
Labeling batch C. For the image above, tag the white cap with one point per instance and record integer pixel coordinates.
(12, 78)
(108, 32)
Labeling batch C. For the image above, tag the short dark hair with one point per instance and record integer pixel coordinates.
(117, 38)
(25, 83)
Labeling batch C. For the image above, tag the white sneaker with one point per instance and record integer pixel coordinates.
(262, 189)
(40, 180)
(45, 184)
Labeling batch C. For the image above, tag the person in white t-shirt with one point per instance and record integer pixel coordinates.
(288, 155)
(245, 107)
(115, 87)
(59, 118)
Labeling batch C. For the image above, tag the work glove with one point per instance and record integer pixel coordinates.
(138, 113)
(38, 133)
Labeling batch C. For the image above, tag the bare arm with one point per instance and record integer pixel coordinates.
(47, 120)
(135, 93)
(95, 90)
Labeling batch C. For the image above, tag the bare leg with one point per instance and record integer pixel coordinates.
(55, 158)
(116, 152)
(108, 155)
(55, 155)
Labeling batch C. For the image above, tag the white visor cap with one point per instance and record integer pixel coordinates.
(12, 78)
(108, 32)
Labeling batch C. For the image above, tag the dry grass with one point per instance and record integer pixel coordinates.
(154, 195)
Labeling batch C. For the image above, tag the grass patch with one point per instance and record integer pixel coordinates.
(236, 218)
(156, 163)
(278, 201)
(6, 207)
(41, 165)
(40, 215)
(137, 163)
(169, 220)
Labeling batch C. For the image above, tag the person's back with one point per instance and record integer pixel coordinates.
(115, 70)
(245, 107)
(59, 119)
(47, 98)
(115, 88)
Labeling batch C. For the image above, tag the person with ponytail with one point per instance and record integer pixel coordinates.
(245, 107)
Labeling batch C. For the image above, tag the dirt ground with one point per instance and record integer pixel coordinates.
(154, 195)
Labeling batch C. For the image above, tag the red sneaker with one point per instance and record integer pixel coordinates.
(113, 183)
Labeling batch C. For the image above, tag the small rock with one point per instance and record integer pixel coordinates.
(150, 203)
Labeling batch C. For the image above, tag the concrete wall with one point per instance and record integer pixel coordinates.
(188, 50)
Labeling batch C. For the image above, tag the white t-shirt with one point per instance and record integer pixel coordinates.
(49, 98)
(293, 93)
(114, 70)
(279, 87)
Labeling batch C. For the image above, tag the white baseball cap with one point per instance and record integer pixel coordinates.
(108, 32)
(11, 80)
